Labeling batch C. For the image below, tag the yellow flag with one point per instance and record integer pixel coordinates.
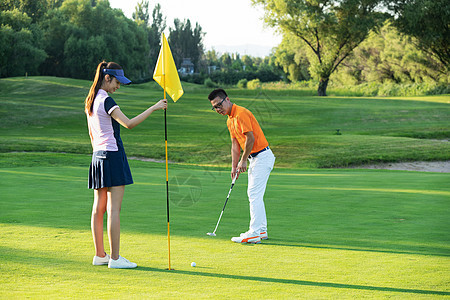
(166, 74)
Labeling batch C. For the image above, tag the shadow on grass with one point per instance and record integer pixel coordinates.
(298, 282)
(434, 252)
(41, 258)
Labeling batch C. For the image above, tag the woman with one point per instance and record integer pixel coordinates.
(109, 171)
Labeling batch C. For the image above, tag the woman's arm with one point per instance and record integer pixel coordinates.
(123, 120)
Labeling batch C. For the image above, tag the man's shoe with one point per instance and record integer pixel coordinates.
(99, 261)
(121, 263)
(247, 237)
(263, 235)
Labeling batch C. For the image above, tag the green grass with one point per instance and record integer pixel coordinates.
(333, 234)
(45, 114)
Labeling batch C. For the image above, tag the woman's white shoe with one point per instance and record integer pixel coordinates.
(121, 263)
(99, 261)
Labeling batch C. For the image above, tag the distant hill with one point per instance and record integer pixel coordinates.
(247, 49)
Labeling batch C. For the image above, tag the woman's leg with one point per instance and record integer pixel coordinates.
(115, 197)
(98, 212)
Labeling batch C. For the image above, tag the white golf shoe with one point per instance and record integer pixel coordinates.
(247, 237)
(121, 263)
(99, 261)
(263, 235)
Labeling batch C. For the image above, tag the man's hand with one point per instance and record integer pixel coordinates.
(234, 172)
(242, 166)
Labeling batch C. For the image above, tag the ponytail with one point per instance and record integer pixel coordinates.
(98, 80)
(97, 84)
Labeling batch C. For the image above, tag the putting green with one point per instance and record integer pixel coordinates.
(332, 234)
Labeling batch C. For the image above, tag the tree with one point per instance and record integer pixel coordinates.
(76, 43)
(237, 64)
(212, 57)
(389, 56)
(248, 63)
(330, 28)
(141, 14)
(35, 9)
(57, 28)
(226, 61)
(154, 30)
(186, 42)
(20, 47)
(291, 55)
(154, 34)
(429, 22)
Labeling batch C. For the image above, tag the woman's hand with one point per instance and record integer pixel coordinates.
(161, 104)
(123, 120)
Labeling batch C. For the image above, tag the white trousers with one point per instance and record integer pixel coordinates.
(258, 174)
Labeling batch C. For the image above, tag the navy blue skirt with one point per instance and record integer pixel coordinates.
(109, 168)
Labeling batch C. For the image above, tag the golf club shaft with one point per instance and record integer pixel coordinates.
(229, 192)
(217, 225)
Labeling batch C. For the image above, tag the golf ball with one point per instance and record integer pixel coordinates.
(193, 264)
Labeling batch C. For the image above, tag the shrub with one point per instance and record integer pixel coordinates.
(390, 89)
(242, 84)
(209, 83)
(194, 78)
(254, 84)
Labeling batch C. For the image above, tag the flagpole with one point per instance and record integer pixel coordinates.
(167, 157)
(167, 180)
(175, 90)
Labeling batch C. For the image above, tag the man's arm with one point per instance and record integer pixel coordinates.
(235, 153)
(250, 140)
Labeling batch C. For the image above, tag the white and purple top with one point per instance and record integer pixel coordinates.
(103, 129)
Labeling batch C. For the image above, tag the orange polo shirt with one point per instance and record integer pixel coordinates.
(241, 121)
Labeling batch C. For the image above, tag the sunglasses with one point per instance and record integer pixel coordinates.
(219, 105)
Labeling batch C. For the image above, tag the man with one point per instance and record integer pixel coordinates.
(246, 134)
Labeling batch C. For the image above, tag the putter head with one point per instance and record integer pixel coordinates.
(211, 234)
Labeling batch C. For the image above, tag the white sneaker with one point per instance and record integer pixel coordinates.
(99, 261)
(263, 235)
(121, 263)
(247, 237)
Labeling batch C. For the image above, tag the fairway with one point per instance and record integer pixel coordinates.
(332, 234)
(45, 114)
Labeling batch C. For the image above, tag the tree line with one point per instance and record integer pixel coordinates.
(70, 37)
(347, 41)
(322, 35)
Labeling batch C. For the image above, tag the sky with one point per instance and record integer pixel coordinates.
(230, 25)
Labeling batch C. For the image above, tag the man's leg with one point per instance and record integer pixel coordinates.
(258, 175)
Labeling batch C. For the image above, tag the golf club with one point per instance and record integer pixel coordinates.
(229, 192)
